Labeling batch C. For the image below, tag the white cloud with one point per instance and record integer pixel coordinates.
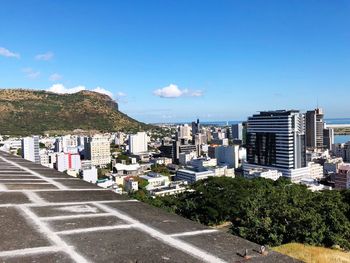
(31, 73)
(45, 56)
(173, 91)
(121, 94)
(196, 93)
(55, 77)
(121, 97)
(103, 91)
(7, 53)
(61, 89)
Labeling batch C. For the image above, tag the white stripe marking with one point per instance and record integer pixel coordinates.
(33, 197)
(28, 183)
(176, 243)
(61, 190)
(58, 185)
(45, 229)
(30, 251)
(54, 218)
(12, 171)
(3, 188)
(93, 229)
(66, 203)
(194, 233)
(21, 179)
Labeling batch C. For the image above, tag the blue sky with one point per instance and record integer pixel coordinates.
(179, 60)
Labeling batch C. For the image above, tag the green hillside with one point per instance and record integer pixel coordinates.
(25, 112)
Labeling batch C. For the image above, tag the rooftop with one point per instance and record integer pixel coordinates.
(47, 216)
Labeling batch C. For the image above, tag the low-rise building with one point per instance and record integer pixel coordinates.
(315, 170)
(161, 161)
(263, 173)
(124, 169)
(331, 166)
(155, 180)
(200, 164)
(67, 161)
(172, 189)
(342, 178)
(192, 176)
(89, 173)
(130, 184)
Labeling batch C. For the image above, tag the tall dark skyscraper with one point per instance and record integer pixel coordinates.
(195, 129)
(314, 129)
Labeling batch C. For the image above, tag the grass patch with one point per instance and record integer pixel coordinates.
(312, 254)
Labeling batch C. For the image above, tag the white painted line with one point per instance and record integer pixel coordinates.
(65, 203)
(12, 171)
(28, 183)
(93, 229)
(30, 251)
(58, 185)
(22, 179)
(3, 187)
(60, 190)
(33, 197)
(54, 218)
(45, 230)
(21, 175)
(175, 243)
(194, 233)
(63, 178)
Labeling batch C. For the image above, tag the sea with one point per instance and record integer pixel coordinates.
(337, 138)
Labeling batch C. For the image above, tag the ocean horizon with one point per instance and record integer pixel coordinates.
(227, 123)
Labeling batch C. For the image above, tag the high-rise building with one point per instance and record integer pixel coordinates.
(195, 128)
(227, 155)
(98, 150)
(328, 138)
(138, 143)
(276, 139)
(314, 129)
(184, 132)
(237, 131)
(30, 149)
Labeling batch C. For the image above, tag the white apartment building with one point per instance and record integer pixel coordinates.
(193, 176)
(155, 180)
(315, 170)
(263, 173)
(184, 158)
(47, 159)
(228, 155)
(184, 132)
(138, 143)
(30, 149)
(67, 161)
(89, 174)
(130, 184)
(98, 150)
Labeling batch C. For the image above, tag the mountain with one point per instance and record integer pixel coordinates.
(25, 112)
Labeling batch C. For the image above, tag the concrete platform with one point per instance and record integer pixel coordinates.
(47, 216)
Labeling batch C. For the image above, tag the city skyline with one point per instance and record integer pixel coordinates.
(166, 61)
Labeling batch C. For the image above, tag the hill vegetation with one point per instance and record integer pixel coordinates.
(266, 212)
(25, 112)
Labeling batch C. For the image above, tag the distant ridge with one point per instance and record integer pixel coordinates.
(25, 112)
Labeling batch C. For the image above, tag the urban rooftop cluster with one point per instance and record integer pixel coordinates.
(271, 144)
